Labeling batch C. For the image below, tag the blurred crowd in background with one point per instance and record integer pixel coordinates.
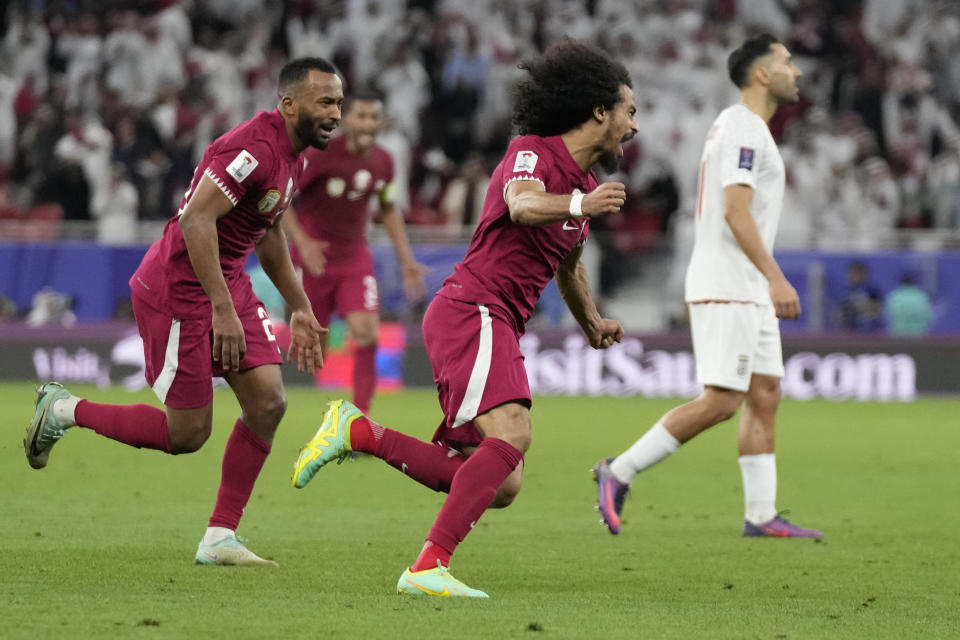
(106, 106)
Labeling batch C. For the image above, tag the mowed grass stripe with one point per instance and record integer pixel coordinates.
(101, 543)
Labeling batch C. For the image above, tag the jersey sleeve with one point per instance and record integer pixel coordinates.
(527, 158)
(740, 145)
(239, 168)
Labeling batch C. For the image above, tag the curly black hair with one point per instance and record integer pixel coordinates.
(740, 61)
(565, 84)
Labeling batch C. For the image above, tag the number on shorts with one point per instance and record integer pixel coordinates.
(267, 327)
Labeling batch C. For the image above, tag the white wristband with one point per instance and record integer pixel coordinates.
(576, 205)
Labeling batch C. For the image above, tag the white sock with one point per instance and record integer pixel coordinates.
(759, 487)
(216, 534)
(655, 445)
(65, 410)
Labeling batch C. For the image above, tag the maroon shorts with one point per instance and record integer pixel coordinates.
(178, 351)
(343, 288)
(477, 365)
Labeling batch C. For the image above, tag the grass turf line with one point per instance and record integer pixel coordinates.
(101, 542)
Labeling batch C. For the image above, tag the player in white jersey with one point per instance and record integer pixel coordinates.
(735, 292)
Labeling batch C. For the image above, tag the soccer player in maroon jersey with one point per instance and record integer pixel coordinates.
(328, 233)
(574, 109)
(197, 313)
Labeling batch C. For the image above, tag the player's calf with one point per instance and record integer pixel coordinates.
(509, 490)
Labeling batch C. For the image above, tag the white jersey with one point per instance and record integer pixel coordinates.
(739, 150)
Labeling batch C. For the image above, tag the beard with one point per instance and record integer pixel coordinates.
(307, 132)
(786, 94)
(609, 161)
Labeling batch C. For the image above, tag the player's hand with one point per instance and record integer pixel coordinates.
(311, 253)
(229, 343)
(605, 333)
(413, 284)
(305, 341)
(786, 302)
(604, 200)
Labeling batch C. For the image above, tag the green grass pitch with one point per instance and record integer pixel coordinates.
(100, 544)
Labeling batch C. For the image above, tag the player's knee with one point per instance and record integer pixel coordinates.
(269, 407)
(724, 412)
(508, 491)
(765, 399)
(518, 436)
(514, 426)
(189, 439)
(504, 498)
(365, 339)
(724, 406)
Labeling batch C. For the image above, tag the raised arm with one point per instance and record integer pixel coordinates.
(530, 204)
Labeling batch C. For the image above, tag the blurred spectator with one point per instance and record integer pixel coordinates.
(463, 199)
(862, 308)
(81, 46)
(87, 145)
(51, 307)
(876, 136)
(117, 213)
(405, 84)
(944, 186)
(8, 309)
(27, 44)
(881, 204)
(907, 309)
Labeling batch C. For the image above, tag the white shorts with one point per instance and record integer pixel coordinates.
(734, 340)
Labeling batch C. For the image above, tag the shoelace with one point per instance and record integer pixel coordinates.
(445, 571)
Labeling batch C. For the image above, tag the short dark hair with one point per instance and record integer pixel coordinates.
(565, 84)
(740, 61)
(297, 69)
(364, 94)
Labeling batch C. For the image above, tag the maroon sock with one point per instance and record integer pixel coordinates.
(430, 555)
(473, 488)
(430, 465)
(138, 425)
(242, 460)
(364, 376)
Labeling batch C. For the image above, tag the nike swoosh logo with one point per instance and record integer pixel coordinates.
(428, 591)
(569, 226)
(211, 556)
(403, 467)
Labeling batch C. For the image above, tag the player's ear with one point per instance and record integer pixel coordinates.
(761, 72)
(287, 106)
(600, 113)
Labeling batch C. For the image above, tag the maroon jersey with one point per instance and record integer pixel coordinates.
(335, 192)
(510, 264)
(255, 166)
